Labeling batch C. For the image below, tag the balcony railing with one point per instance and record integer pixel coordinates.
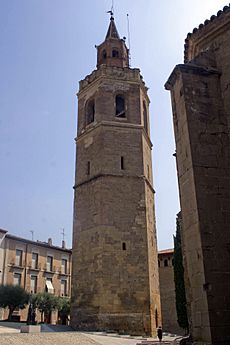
(49, 269)
(31, 266)
(13, 263)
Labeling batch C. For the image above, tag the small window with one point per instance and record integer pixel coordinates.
(123, 246)
(166, 263)
(115, 53)
(90, 111)
(18, 259)
(17, 278)
(159, 263)
(120, 106)
(145, 116)
(49, 286)
(33, 284)
(34, 260)
(63, 287)
(88, 168)
(122, 163)
(49, 263)
(148, 173)
(64, 266)
(104, 55)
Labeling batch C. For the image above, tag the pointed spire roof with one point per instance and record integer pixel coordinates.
(112, 30)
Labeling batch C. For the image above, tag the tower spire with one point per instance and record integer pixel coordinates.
(113, 51)
(112, 30)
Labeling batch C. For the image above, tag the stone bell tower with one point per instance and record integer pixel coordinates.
(115, 282)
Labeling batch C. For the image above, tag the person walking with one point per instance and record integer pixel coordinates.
(159, 333)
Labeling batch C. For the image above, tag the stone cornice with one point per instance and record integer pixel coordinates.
(206, 32)
(113, 124)
(188, 68)
(125, 74)
(96, 177)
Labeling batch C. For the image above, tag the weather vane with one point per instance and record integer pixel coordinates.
(112, 9)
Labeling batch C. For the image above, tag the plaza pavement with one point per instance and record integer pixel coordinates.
(57, 335)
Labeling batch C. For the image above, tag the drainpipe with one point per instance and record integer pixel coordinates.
(4, 260)
(25, 273)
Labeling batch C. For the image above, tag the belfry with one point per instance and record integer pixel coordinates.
(115, 283)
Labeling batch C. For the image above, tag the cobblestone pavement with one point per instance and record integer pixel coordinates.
(71, 338)
(46, 339)
(54, 335)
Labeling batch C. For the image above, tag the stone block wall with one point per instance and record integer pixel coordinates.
(200, 100)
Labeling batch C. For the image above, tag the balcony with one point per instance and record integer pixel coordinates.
(62, 272)
(15, 264)
(49, 269)
(33, 267)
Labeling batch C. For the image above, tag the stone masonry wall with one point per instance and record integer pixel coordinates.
(201, 107)
(115, 277)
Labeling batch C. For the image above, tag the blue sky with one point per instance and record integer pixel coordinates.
(46, 47)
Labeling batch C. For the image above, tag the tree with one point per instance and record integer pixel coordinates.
(45, 302)
(13, 296)
(182, 317)
(63, 307)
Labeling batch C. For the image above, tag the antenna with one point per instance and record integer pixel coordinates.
(63, 233)
(129, 38)
(32, 234)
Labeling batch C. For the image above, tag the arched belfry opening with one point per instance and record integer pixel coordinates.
(120, 106)
(115, 53)
(90, 112)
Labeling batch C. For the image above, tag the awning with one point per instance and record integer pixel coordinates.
(49, 286)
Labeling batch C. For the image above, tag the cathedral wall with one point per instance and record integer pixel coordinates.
(192, 245)
(200, 90)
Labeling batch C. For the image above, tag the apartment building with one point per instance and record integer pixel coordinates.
(36, 266)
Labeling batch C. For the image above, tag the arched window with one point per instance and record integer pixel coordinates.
(90, 111)
(166, 263)
(145, 116)
(104, 55)
(120, 106)
(115, 53)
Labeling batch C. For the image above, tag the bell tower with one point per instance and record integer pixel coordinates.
(115, 283)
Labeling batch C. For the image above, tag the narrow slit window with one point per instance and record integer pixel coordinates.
(122, 163)
(148, 173)
(90, 111)
(123, 246)
(120, 106)
(156, 317)
(166, 263)
(88, 168)
(145, 116)
(104, 55)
